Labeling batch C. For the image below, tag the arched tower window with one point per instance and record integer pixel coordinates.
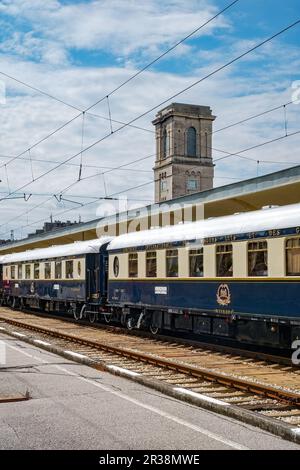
(191, 142)
(166, 144)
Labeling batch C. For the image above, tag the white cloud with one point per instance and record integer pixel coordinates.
(26, 45)
(26, 118)
(114, 25)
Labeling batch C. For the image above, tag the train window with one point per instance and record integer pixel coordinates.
(19, 271)
(47, 270)
(116, 266)
(293, 257)
(58, 270)
(13, 272)
(69, 269)
(151, 265)
(258, 259)
(27, 271)
(172, 263)
(36, 270)
(133, 265)
(79, 268)
(224, 261)
(196, 263)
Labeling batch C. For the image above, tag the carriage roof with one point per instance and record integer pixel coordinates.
(247, 222)
(57, 251)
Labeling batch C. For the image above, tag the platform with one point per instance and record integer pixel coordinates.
(73, 406)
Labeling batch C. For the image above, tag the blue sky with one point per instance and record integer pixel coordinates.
(247, 20)
(80, 50)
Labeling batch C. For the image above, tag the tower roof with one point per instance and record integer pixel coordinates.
(183, 109)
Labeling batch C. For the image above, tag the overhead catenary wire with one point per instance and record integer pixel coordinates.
(234, 124)
(147, 183)
(227, 64)
(121, 85)
(121, 167)
(38, 90)
(228, 154)
(150, 182)
(170, 49)
(254, 116)
(276, 139)
(102, 167)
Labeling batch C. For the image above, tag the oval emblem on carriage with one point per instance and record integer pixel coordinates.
(32, 288)
(223, 295)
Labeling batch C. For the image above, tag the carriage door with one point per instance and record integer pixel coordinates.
(92, 280)
(103, 271)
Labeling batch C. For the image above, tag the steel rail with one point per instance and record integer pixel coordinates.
(208, 345)
(269, 391)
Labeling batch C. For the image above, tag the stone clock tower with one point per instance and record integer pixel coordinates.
(183, 151)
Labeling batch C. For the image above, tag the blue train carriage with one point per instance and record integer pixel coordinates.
(66, 278)
(1, 278)
(236, 276)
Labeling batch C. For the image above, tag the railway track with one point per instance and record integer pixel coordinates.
(261, 386)
(267, 354)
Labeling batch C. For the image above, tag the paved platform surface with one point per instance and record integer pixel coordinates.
(76, 407)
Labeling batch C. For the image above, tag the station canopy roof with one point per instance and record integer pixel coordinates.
(279, 188)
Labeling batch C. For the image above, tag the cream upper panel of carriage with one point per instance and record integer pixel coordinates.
(46, 270)
(54, 263)
(277, 257)
(245, 223)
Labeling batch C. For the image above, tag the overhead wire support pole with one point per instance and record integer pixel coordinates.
(285, 120)
(57, 198)
(26, 198)
(60, 198)
(7, 179)
(31, 164)
(82, 139)
(109, 115)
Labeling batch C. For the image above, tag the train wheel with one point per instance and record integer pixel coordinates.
(154, 329)
(107, 318)
(78, 314)
(130, 323)
(92, 317)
